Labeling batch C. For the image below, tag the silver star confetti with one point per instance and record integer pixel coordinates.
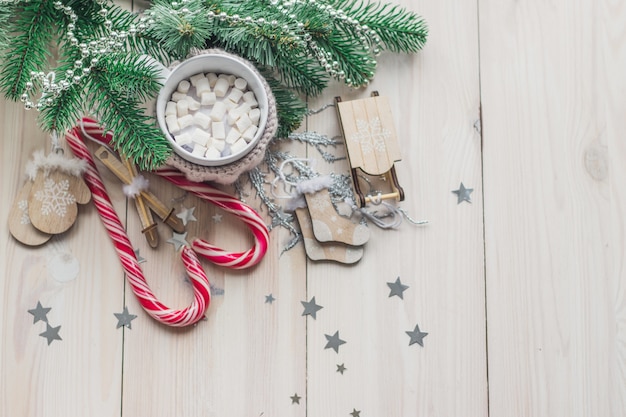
(51, 333)
(269, 299)
(334, 342)
(186, 215)
(178, 240)
(355, 413)
(341, 369)
(397, 288)
(40, 313)
(463, 194)
(417, 336)
(124, 318)
(140, 259)
(217, 218)
(311, 308)
(295, 399)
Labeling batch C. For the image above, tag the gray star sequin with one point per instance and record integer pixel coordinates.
(40, 313)
(355, 413)
(463, 194)
(178, 240)
(417, 336)
(397, 288)
(186, 215)
(124, 318)
(334, 342)
(310, 308)
(341, 369)
(295, 399)
(269, 299)
(51, 333)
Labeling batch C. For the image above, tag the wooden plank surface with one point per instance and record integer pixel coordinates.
(524, 313)
(553, 105)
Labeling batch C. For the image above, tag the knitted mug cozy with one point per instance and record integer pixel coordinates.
(228, 173)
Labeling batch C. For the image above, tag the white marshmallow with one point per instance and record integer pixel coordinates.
(218, 144)
(235, 95)
(192, 103)
(178, 96)
(208, 98)
(200, 137)
(243, 122)
(202, 86)
(212, 77)
(183, 139)
(172, 124)
(241, 84)
(221, 87)
(231, 79)
(255, 115)
(183, 86)
(170, 109)
(248, 135)
(218, 130)
(202, 120)
(199, 150)
(229, 105)
(182, 108)
(250, 98)
(238, 111)
(185, 121)
(218, 111)
(238, 146)
(212, 153)
(232, 136)
(194, 78)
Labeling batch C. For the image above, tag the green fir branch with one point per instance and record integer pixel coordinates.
(289, 108)
(136, 135)
(29, 50)
(400, 30)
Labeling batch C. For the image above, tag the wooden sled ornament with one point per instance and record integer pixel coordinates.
(368, 129)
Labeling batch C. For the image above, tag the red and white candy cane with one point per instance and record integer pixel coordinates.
(234, 260)
(124, 249)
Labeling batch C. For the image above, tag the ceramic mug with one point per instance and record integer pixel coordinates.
(217, 63)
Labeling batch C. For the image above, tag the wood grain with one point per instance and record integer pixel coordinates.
(553, 191)
(522, 291)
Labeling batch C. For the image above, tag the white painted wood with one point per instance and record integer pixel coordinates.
(554, 163)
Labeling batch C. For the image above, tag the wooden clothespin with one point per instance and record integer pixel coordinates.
(143, 200)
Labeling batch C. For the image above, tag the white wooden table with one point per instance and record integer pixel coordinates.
(522, 291)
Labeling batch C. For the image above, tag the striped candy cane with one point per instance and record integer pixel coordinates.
(234, 260)
(126, 254)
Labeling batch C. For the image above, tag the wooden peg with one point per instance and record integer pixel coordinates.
(149, 226)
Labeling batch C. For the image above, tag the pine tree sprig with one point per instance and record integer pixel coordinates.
(34, 24)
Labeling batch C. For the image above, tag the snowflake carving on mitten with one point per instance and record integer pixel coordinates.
(57, 188)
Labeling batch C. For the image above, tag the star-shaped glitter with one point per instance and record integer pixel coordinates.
(178, 240)
(341, 368)
(417, 336)
(40, 313)
(217, 218)
(295, 399)
(397, 288)
(269, 299)
(463, 194)
(334, 341)
(186, 215)
(51, 333)
(310, 308)
(140, 259)
(355, 413)
(124, 318)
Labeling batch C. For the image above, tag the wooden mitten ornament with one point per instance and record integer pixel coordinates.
(20, 225)
(57, 189)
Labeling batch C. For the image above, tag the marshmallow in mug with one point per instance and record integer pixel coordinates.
(212, 115)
